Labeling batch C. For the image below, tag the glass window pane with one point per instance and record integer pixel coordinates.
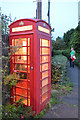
(28, 102)
(40, 42)
(44, 59)
(40, 68)
(45, 82)
(45, 42)
(20, 59)
(28, 41)
(44, 89)
(44, 74)
(22, 83)
(21, 92)
(24, 99)
(28, 59)
(28, 50)
(45, 51)
(44, 67)
(21, 51)
(44, 96)
(21, 67)
(12, 42)
(21, 42)
(21, 75)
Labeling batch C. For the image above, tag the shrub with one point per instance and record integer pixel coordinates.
(58, 68)
(18, 111)
(66, 53)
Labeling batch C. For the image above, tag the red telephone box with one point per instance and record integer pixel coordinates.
(31, 62)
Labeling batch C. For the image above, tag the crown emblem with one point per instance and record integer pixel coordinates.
(21, 23)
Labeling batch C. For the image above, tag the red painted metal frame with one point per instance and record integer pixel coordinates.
(35, 58)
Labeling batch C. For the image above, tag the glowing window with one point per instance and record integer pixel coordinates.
(44, 89)
(22, 84)
(21, 67)
(44, 97)
(44, 59)
(21, 75)
(28, 41)
(45, 51)
(22, 92)
(12, 42)
(44, 67)
(20, 42)
(45, 43)
(21, 59)
(40, 68)
(45, 82)
(44, 74)
(21, 51)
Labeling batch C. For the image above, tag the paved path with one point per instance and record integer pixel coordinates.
(68, 108)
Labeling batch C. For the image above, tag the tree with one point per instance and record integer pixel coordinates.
(67, 36)
(75, 39)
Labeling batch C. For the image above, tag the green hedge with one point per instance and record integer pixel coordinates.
(58, 68)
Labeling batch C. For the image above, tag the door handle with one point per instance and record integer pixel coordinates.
(31, 68)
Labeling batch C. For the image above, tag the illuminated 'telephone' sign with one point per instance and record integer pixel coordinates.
(23, 28)
(40, 28)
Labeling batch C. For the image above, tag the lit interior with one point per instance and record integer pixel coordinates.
(44, 82)
(44, 97)
(21, 63)
(44, 68)
(44, 74)
(22, 84)
(44, 89)
(44, 42)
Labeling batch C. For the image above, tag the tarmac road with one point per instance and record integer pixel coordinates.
(68, 108)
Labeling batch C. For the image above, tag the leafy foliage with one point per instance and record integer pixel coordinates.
(16, 111)
(58, 68)
(72, 39)
(10, 80)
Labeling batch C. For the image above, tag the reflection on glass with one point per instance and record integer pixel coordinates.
(44, 74)
(22, 92)
(21, 67)
(21, 75)
(28, 50)
(40, 51)
(20, 97)
(45, 42)
(21, 59)
(45, 82)
(21, 51)
(28, 59)
(28, 41)
(44, 97)
(22, 83)
(12, 42)
(45, 51)
(44, 67)
(44, 59)
(40, 42)
(40, 68)
(20, 42)
(44, 89)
